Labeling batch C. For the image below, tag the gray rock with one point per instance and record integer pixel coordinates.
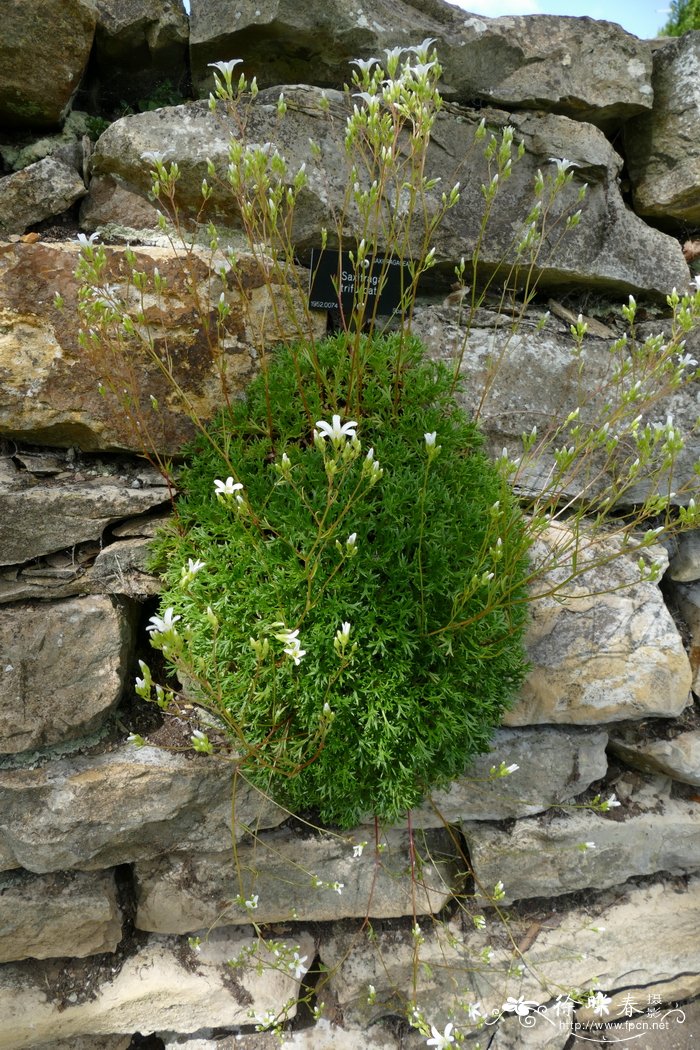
(593, 945)
(611, 248)
(586, 69)
(163, 986)
(678, 757)
(98, 811)
(63, 666)
(43, 189)
(663, 147)
(543, 857)
(53, 514)
(686, 600)
(184, 893)
(684, 566)
(555, 765)
(604, 648)
(67, 145)
(535, 383)
(63, 914)
(42, 65)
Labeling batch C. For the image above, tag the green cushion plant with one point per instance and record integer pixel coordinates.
(357, 621)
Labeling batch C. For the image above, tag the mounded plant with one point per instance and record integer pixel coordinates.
(333, 581)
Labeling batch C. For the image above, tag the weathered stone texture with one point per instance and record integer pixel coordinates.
(64, 668)
(590, 70)
(41, 68)
(124, 805)
(663, 147)
(161, 987)
(68, 914)
(192, 892)
(544, 858)
(612, 249)
(52, 385)
(677, 757)
(43, 189)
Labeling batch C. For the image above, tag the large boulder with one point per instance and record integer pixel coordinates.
(586, 69)
(663, 146)
(42, 59)
(610, 249)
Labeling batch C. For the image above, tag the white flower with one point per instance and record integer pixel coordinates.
(686, 361)
(295, 652)
(252, 902)
(338, 887)
(153, 156)
(599, 1003)
(336, 430)
(364, 64)
(430, 439)
(351, 541)
(226, 488)
(163, 624)
(562, 163)
(297, 966)
(441, 1041)
(193, 567)
(358, 848)
(87, 241)
(589, 845)
(226, 68)
(512, 768)
(612, 802)
(475, 1012)
(696, 282)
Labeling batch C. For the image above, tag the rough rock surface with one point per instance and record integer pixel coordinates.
(97, 811)
(555, 765)
(192, 892)
(162, 986)
(600, 654)
(41, 69)
(537, 381)
(64, 668)
(52, 387)
(43, 189)
(684, 566)
(572, 949)
(321, 1036)
(47, 514)
(612, 248)
(590, 70)
(663, 146)
(63, 914)
(677, 757)
(543, 857)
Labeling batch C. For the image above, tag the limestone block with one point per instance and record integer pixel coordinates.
(596, 945)
(64, 667)
(600, 654)
(20, 150)
(43, 189)
(107, 202)
(663, 151)
(611, 249)
(163, 986)
(686, 598)
(63, 914)
(587, 69)
(41, 69)
(190, 892)
(677, 757)
(543, 857)
(51, 389)
(536, 382)
(554, 765)
(41, 516)
(127, 804)
(684, 566)
(321, 1036)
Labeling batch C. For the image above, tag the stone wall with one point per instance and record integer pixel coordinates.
(112, 857)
